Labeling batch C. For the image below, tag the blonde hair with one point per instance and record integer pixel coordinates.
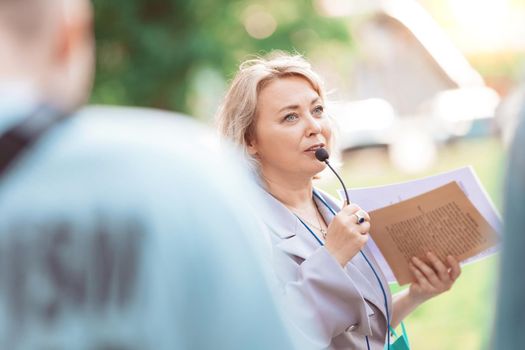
(237, 115)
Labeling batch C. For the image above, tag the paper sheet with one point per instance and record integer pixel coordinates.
(374, 198)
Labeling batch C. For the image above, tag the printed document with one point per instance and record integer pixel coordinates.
(449, 214)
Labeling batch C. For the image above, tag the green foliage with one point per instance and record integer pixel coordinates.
(150, 51)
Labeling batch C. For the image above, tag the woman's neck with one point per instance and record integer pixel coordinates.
(293, 192)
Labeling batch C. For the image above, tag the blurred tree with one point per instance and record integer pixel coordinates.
(150, 51)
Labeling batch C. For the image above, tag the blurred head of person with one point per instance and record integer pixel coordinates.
(275, 110)
(46, 46)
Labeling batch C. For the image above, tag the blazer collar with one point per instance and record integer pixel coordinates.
(278, 217)
(284, 223)
(293, 238)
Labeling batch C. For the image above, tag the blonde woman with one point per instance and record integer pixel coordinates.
(338, 297)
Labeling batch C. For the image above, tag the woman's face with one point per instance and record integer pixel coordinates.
(290, 125)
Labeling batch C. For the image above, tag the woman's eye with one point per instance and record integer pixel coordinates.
(290, 117)
(318, 110)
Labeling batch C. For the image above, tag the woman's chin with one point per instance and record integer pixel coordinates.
(315, 169)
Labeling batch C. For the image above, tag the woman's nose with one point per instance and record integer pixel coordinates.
(313, 125)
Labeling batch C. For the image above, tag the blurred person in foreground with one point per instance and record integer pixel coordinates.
(119, 228)
(510, 315)
(338, 296)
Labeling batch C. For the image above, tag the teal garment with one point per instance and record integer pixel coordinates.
(510, 314)
(398, 342)
(128, 229)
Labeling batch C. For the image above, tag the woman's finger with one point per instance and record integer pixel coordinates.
(429, 273)
(364, 227)
(455, 269)
(441, 269)
(364, 214)
(420, 277)
(350, 209)
(359, 216)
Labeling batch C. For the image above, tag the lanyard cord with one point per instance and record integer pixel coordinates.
(369, 264)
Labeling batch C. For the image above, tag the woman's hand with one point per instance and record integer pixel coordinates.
(345, 236)
(433, 279)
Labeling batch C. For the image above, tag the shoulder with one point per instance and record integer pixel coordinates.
(120, 140)
(119, 154)
(114, 129)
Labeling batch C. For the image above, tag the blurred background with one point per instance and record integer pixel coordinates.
(417, 87)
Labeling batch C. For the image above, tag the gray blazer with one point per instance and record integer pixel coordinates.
(334, 308)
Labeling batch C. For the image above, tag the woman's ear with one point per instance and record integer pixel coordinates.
(251, 145)
(74, 54)
(252, 148)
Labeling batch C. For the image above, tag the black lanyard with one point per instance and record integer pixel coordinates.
(20, 137)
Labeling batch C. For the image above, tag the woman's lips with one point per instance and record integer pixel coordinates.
(314, 147)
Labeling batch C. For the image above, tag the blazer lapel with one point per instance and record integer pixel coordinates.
(362, 274)
(293, 237)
